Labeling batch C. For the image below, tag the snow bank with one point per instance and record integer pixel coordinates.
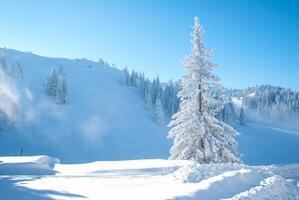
(274, 187)
(27, 165)
(153, 179)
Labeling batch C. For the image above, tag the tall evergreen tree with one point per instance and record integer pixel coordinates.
(17, 71)
(61, 96)
(3, 64)
(127, 76)
(159, 111)
(52, 83)
(197, 135)
(242, 117)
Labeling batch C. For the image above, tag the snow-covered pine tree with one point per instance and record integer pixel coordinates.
(159, 111)
(133, 81)
(61, 96)
(3, 63)
(197, 135)
(242, 117)
(17, 71)
(52, 83)
(148, 95)
(127, 76)
(156, 89)
(228, 114)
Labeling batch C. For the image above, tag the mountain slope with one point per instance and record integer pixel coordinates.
(104, 120)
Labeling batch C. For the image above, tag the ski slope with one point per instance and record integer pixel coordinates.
(146, 179)
(104, 119)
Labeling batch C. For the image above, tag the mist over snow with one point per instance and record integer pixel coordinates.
(9, 100)
(102, 120)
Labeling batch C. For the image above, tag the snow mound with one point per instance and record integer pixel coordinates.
(27, 165)
(238, 181)
(194, 172)
(152, 179)
(271, 188)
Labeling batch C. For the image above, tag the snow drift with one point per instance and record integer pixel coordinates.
(150, 179)
(30, 165)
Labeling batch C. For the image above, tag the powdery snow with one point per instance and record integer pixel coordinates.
(151, 179)
(29, 165)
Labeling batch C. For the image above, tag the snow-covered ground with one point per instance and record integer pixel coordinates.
(103, 120)
(144, 179)
(106, 120)
(263, 144)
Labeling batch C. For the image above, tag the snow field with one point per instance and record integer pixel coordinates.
(149, 179)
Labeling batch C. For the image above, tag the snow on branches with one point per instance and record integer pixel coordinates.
(197, 134)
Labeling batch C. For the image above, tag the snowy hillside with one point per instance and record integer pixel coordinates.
(103, 119)
(268, 104)
(146, 179)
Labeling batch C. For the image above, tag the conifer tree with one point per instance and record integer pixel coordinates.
(242, 117)
(159, 111)
(52, 83)
(197, 135)
(17, 70)
(61, 96)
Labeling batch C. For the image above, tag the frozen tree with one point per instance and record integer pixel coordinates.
(149, 90)
(197, 135)
(242, 117)
(52, 83)
(61, 96)
(273, 101)
(156, 89)
(17, 71)
(148, 96)
(159, 111)
(228, 114)
(3, 63)
(127, 76)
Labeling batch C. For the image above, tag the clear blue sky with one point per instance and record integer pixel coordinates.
(254, 41)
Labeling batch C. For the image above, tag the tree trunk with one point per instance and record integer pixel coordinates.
(200, 99)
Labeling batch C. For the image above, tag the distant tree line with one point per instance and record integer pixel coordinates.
(271, 99)
(159, 97)
(162, 99)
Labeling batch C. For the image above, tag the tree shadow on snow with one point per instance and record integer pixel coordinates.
(10, 190)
